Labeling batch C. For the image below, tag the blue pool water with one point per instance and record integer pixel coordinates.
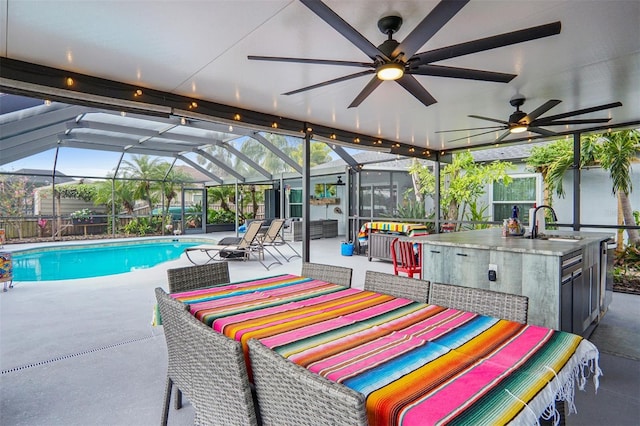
(93, 260)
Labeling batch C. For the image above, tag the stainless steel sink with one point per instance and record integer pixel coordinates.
(561, 238)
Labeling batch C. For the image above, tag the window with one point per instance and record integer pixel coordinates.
(522, 192)
(295, 203)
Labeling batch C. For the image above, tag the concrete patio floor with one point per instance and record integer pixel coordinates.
(83, 352)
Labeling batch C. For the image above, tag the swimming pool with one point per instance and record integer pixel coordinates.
(67, 262)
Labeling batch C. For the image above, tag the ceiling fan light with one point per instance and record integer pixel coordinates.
(390, 71)
(518, 128)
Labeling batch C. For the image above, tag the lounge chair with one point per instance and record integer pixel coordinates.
(273, 238)
(249, 244)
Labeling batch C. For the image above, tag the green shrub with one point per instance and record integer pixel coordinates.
(221, 216)
(143, 225)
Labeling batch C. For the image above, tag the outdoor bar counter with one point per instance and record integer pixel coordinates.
(563, 276)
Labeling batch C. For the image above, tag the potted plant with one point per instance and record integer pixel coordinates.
(82, 216)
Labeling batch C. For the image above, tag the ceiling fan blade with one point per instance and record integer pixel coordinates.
(340, 25)
(368, 89)
(541, 110)
(328, 82)
(310, 61)
(541, 131)
(502, 136)
(466, 73)
(583, 111)
(544, 122)
(416, 89)
(487, 43)
(470, 128)
(489, 119)
(431, 24)
(472, 136)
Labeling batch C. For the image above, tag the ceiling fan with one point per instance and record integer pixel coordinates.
(520, 121)
(399, 61)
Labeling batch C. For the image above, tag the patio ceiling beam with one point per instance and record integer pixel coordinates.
(284, 157)
(28, 136)
(74, 143)
(342, 153)
(112, 128)
(200, 168)
(45, 118)
(220, 164)
(171, 147)
(98, 138)
(27, 149)
(113, 145)
(244, 158)
(156, 135)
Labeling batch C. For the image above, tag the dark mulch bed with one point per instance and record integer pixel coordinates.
(629, 284)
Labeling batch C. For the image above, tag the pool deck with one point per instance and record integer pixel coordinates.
(83, 352)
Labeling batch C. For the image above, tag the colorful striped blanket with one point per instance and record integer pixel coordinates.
(417, 364)
(408, 229)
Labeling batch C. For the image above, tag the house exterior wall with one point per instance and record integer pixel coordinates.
(598, 204)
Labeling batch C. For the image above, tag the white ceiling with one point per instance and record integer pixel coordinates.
(200, 48)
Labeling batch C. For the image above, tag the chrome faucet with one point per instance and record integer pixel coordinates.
(534, 227)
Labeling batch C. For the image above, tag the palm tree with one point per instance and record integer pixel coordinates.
(222, 194)
(123, 196)
(145, 170)
(171, 184)
(616, 151)
(319, 153)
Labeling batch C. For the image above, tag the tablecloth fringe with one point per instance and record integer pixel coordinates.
(562, 387)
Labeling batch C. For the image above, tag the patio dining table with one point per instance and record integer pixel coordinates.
(416, 363)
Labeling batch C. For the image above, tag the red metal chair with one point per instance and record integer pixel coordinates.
(406, 258)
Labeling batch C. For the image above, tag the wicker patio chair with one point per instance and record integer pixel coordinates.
(289, 394)
(219, 386)
(198, 276)
(484, 302)
(397, 286)
(170, 310)
(329, 273)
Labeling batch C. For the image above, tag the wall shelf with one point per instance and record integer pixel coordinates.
(324, 201)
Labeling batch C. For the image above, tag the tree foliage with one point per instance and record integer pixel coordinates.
(79, 191)
(613, 152)
(14, 194)
(462, 182)
(144, 170)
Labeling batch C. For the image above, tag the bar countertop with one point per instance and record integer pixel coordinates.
(557, 243)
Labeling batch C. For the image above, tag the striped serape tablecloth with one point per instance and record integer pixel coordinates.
(408, 229)
(417, 364)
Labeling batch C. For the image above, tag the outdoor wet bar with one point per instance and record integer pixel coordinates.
(564, 273)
